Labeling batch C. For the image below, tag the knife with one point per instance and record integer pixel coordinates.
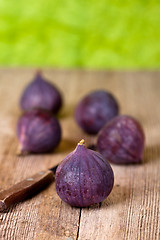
(26, 188)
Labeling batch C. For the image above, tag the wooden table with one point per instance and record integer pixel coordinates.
(132, 209)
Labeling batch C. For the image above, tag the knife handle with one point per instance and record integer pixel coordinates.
(24, 189)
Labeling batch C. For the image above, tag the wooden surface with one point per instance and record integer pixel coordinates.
(132, 209)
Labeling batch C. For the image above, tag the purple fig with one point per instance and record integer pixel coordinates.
(95, 110)
(40, 94)
(121, 140)
(38, 132)
(84, 177)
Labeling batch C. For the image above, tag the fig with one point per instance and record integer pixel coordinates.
(84, 177)
(95, 110)
(38, 132)
(40, 94)
(122, 140)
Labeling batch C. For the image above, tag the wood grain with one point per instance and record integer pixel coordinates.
(131, 212)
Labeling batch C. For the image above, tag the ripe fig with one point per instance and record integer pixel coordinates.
(95, 110)
(121, 140)
(38, 132)
(84, 177)
(40, 94)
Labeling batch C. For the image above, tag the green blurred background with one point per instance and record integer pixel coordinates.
(85, 34)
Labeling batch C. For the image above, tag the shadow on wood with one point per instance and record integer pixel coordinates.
(151, 153)
(66, 112)
(66, 145)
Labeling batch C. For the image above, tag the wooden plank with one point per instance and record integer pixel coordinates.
(132, 209)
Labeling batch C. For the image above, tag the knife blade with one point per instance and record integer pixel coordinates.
(26, 188)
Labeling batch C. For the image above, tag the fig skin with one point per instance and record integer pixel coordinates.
(84, 178)
(95, 110)
(38, 132)
(122, 140)
(40, 94)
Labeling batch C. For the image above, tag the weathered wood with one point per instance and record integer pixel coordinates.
(132, 210)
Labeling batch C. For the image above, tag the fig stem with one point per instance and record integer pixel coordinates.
(81, 142)
(38, 72)
(20, 151)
